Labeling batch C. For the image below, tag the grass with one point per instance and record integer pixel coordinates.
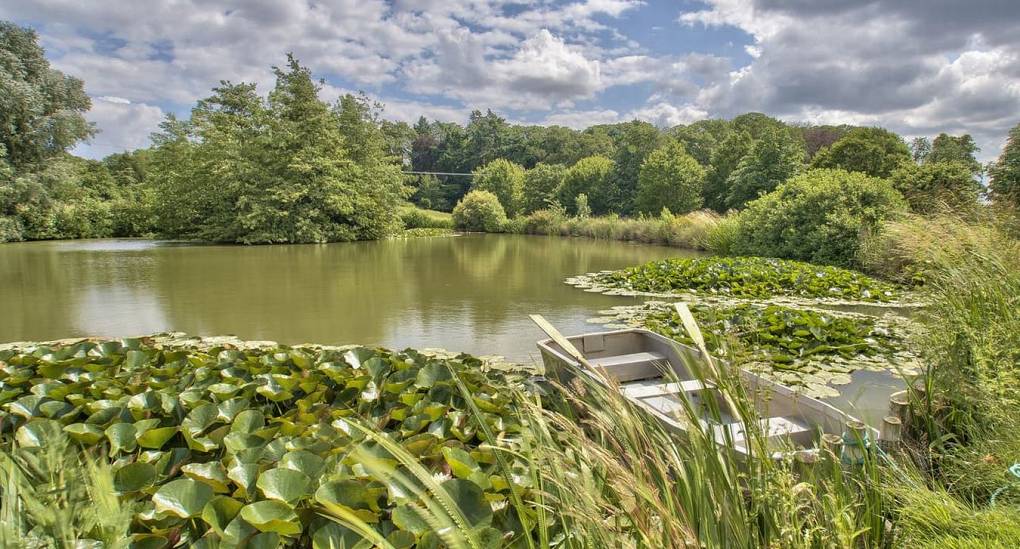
(699, 230)
(414, 217)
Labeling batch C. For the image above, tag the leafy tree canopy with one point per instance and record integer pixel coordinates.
(593, 177)
(1005, 172)
(775, 157)
(672, 179)
(874, 151)
(505, 179)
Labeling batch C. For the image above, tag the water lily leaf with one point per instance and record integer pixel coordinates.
(400, 539)
(219, 512)
(184, 498)
(37, 432)
(236, 534)
(303, 461)
(432, 373)
(265, 540)
(237, 442)
(122, 438)
(211, 473)
(146, 541)
(409, 517)
(229, 409)
(272, 516)
(333, 536)
(244, 475)
(470, 500)
(156, 438)
(248, 422)
(284, 484)
(355, 357)
(200, 419)
(84, 433)
(134, 477)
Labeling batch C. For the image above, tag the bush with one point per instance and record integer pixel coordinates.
(819, 216)
(591, 176)
(10, 230)
(936, 186)
(479, 211)
(505, 180)
(417, 218)
(722, 236)
(546, 221)
(541, 185)
(670, 178)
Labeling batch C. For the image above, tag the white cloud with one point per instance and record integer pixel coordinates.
(123, 126)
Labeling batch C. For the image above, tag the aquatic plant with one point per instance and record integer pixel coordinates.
(743, 277)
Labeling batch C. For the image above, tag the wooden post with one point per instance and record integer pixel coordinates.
(889, 436)
(831, 446)
(804, 461)
(855, 442)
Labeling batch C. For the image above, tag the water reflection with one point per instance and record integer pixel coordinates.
(470, 293)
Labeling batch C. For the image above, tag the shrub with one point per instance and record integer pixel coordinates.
(503, 178)
(873, 151)
(417, 218)
(583, 210)
(545, 221)
(936, 186)
(591, 176)
(541, 185)
(670, 178)
(818, 216)
(10, 230)
(479, 211)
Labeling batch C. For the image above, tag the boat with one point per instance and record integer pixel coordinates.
(651, 371)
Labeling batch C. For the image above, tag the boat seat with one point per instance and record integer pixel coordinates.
(633, 359)
(773, 427)
(652, 388)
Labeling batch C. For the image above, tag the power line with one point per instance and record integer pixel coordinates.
(439, 173)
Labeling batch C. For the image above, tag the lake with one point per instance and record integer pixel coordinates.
(470, 293)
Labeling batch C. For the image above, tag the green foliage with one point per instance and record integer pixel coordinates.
(725, 158)
(285, 169)
(541, 186)
(805, 343)
(670, 178)
(504, 179)
(819, 216)
(581, 206)
(934, 186)
(634, 142)
(873, 151)
(479, 211)
(592, 176)
(214, 443)
(1005, 172)
(41, 109)
(700, 139)
(749, 277)
(775, 157)
(417, 218)
(961, 149)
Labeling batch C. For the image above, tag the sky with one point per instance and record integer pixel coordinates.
(917, 67)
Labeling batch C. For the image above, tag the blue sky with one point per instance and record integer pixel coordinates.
(918, 67)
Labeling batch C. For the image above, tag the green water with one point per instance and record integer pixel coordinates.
(466, 293)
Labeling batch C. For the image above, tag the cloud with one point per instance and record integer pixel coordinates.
(123, 126)
(916, 67)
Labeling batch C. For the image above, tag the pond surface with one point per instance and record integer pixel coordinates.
(469, 293)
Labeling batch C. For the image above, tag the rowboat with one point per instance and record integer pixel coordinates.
(651, 371)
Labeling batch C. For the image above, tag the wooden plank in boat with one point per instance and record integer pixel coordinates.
(627, 360)
(773, 426)
(655, 387)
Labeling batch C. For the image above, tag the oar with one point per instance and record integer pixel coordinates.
(692, 328)
(560, 340)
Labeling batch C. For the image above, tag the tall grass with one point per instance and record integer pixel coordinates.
(699, 230)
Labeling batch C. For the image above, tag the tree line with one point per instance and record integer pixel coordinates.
(290, 167)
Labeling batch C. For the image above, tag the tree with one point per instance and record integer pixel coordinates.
(285, 169)
(479, 211)
(672, 179)
(635, 141)
(874, 151)
(932, 186)
(818, 216)
(948, 148)
(725, 158)
(701, 138)
(776, 157)
(920, 148)
(591, 176)
(503, 178)
(1005, 172)
(41, 109)
(817, 138)
(542, 185)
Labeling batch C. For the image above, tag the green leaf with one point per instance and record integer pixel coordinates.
(211, 473)
(409, 517)
(37, 432)
(122, 438)
(219, 512)
(334, 536)
(248, 422)
(84, 433)
(243, 474)
(156, 438)
(284, 484)
(184, 498)
(134, 477)
(272, 516)
(265, 540)
(470, 500)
